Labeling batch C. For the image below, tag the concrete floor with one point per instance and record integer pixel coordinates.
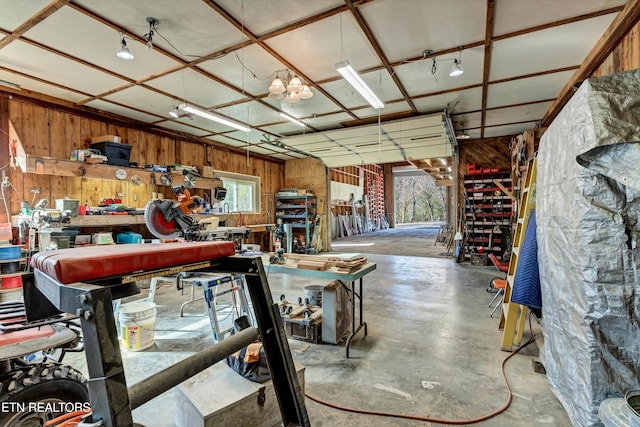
(432, 349)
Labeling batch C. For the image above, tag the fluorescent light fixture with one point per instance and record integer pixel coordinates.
(124, 52)
(354, 79)
(10, 84)
(292, 119)
(212, 116)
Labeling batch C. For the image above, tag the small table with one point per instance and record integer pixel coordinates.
(358, 275)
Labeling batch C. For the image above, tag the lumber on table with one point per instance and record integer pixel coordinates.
(312, 265)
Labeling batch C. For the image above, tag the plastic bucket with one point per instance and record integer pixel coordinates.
(137, 325)
(313, 294)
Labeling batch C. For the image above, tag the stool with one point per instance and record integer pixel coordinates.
(500, 285)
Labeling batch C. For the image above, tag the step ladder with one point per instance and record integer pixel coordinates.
(513, 316)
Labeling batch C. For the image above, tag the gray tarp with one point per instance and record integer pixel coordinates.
(588, 203)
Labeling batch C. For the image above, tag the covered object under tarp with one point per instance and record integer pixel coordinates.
(588, 205)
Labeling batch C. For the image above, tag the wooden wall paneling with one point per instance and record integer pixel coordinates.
(187, 153)
(58, 149)
(626, 56)
(168, 154)
(152, 151)
(84, 137)
(98, 128)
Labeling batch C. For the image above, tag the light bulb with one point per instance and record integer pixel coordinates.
(456, 69)
(277, 86)
(292, 98)
(124, 52)
(295, 85)
(305, 92)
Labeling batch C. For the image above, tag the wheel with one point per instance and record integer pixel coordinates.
(41, 392)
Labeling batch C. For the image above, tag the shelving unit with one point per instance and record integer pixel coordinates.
(488, 210)
(299, 211)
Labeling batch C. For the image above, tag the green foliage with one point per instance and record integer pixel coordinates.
(417, 199)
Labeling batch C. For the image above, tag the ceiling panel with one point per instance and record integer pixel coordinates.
(250, 112)
(263, 17)
(259, 149)
(508, 129)
(229, 141)
(395, 107)
(283, 156)
(192, 27)
(171, 124)
(197, 88)
(20, 56)
(251, 68)
(143, 99)
(516, 15)
(418, 77)
(469, 122)
(40, 87)
(15, 12)
(123, 111)
(517, 114)
(530, 53)
(99, 49)
(459, 101)
(413, 26)
(318, 104)
(316, 48)
(526, 90)
(253, 137)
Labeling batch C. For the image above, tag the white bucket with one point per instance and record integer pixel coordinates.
(137, 324)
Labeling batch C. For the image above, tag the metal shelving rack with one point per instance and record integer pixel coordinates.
(299, 211)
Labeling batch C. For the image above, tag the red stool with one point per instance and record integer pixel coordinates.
(497, 282)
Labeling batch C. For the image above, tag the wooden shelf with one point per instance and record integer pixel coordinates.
(49, 166)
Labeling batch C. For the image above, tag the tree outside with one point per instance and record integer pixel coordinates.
(417, 199)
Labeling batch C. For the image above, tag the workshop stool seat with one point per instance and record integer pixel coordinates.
(500, 285)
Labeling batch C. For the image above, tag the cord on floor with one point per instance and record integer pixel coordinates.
(438, 420)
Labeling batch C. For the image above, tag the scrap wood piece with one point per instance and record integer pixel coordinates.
(504, 189)
(312, 265)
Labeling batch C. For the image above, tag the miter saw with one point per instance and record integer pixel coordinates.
(169, 219)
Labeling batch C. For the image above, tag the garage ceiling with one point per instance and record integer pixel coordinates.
(222, 56)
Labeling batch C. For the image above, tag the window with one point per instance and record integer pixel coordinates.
(243, 192)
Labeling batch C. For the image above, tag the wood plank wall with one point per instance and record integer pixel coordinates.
(311, 174)
(626, 55)
(48, 131)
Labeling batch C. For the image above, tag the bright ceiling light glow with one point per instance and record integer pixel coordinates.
(292, 119)
(124, 52)
(354, 79)
(212, 116)
(456, 69)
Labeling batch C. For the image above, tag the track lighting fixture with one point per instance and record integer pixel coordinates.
(354, 79)
(290, 88)
(214, 117)
(124, 52)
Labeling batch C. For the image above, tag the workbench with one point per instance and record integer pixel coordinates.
(348, 279)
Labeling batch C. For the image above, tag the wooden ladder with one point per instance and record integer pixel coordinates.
(513, 316)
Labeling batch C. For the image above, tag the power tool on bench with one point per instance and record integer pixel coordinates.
(168, 219)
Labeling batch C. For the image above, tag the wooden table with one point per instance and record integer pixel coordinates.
(332, 274)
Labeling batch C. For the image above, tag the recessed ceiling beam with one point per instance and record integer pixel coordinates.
(487, 60)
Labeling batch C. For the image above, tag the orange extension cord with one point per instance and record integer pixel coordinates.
(437, 420)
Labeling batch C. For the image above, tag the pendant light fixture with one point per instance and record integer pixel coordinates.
(456, 68)
(124, 52)
(290, 88)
